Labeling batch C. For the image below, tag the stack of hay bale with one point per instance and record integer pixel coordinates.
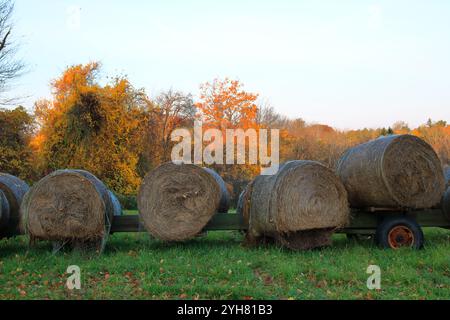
(12, 191)
(176, 201)
(70, 207)
(300, 207)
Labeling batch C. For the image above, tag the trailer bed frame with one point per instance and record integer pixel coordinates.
(362, 221)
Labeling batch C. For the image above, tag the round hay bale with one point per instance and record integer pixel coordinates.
(299, 207)
(14, 190)
(392, 172)
(224, 205)
(176, 201)
(68, 205)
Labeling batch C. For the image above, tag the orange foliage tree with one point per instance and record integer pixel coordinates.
(224, 104)
(92, 127)
(437, 134)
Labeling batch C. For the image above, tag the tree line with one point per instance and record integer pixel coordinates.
(119, 133)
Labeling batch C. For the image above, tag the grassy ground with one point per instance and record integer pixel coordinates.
(219, 267)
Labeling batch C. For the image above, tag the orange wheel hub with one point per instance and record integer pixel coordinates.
(401, 236)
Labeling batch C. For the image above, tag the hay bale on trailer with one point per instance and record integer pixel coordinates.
(176, 201)
(12, 191)
(69, 206)
(399, 171)
(300, 207)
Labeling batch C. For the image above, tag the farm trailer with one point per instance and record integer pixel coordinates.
(390, 228)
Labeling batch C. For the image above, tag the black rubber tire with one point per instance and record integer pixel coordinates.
(389, 223)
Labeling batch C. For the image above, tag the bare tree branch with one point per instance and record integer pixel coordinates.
(10, 66)
(3, 43)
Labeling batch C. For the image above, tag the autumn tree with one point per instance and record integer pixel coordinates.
(401, 127)
(224, 104)
(16, 128)
(267, 117)
(92, 127)
(437, 134)
(313, 142)
(169, 111)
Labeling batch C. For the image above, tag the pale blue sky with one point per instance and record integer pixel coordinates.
(346, 63)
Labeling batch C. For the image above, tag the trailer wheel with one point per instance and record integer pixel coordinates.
(399, 232)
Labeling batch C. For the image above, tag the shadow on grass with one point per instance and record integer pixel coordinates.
(20, 245)
(219, 240)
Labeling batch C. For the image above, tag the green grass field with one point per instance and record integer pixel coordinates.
(219, 267)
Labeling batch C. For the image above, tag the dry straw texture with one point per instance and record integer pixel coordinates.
(299, 207)
(176, 201)
(395, 171)
(68, 205)
(14, 190)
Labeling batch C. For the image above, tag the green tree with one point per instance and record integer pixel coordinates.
(16, 127)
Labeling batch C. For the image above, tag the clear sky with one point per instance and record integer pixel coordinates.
(346, 63)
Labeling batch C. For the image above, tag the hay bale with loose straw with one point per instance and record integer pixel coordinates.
(70, 206)
(176, 201)
(396, 171)
(300, 207)
(13, 189)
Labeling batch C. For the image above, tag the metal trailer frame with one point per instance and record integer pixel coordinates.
(364, 222)
(377, 222)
